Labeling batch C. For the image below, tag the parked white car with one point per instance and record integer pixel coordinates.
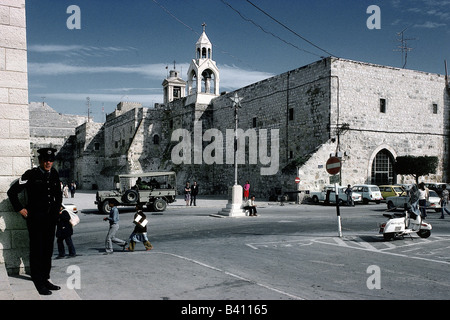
(399, 202)
(321, 196)
(369, 192)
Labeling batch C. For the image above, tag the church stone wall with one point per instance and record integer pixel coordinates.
(14, 132)
(415, 121)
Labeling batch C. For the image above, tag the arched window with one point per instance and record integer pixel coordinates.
(155, 139)
(383, 168)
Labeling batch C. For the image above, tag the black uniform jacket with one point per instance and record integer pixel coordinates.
(43, 193)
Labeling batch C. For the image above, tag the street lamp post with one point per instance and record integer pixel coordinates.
(234, 206)
(236, 104)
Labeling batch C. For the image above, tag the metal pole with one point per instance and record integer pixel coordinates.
(338, 212)
(235, 144)
(236, 104)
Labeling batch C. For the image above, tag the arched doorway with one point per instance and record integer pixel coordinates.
(383, 168)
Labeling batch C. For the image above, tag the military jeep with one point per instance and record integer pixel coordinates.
(154, 190)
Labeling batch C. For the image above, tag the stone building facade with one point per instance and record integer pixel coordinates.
(15, 136)
(290, 125)
(49, 128)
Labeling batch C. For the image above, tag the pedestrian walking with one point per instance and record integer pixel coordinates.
(444, 201)
(113, 219)
(64, 232)
(194, 193)
(44, 195)
(140, 230)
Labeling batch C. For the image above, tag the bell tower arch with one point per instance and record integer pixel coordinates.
(203, 74)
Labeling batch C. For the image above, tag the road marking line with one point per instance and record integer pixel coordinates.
(233, 275)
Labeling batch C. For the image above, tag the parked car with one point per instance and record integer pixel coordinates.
(321, 196)
(399, 202)
(369, 192)
(436, 186)
(390, 190)
(154, 190)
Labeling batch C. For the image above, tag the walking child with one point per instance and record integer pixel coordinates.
(140, 231)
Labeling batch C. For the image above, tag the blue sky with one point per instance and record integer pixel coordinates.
(123, 47)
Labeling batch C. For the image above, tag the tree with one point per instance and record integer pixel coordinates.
(416, 166)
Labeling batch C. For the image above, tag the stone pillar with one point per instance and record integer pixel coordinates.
(234, 207)
(14, 131)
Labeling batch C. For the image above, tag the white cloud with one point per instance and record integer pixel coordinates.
(430, 25)
(231, 77)
(145, 99)
(78, 50)
(59, 69)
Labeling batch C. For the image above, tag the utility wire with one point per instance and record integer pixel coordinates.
(198, 34)
(266, 31)
(286, 27)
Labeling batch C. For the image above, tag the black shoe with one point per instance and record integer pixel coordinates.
(44, 291)
(51, 286)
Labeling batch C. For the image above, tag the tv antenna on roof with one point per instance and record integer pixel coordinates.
(404, 46)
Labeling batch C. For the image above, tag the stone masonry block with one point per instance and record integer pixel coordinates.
(19, 239)
(13, 3)
(14, 148)
(4, 15)
(2, 59)
(17, 17)
(18, 96)
(13, 79)
(5, 238)
(16, 60)
(14, 111)
(6, 164)
(13, 37)
(20, 164)
(4, 95)
(19, 129)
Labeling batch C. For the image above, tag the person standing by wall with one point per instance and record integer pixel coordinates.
(423, 197)
(194, 193)
(187, 193)
(41, 212)
(246, 190)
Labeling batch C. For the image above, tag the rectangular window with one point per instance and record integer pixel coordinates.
(435, 108)
(254, 122)
(383, 105)
(291, 114)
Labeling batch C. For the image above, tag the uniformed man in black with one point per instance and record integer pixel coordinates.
(44, 199)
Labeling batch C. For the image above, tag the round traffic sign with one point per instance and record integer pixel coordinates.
(297, 180)
(333, 165)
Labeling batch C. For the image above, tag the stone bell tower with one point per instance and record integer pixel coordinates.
(174, 86)
(203, 74)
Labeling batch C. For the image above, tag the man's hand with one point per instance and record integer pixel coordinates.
(24, 212)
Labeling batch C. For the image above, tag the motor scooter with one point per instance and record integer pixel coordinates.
(407, 222)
